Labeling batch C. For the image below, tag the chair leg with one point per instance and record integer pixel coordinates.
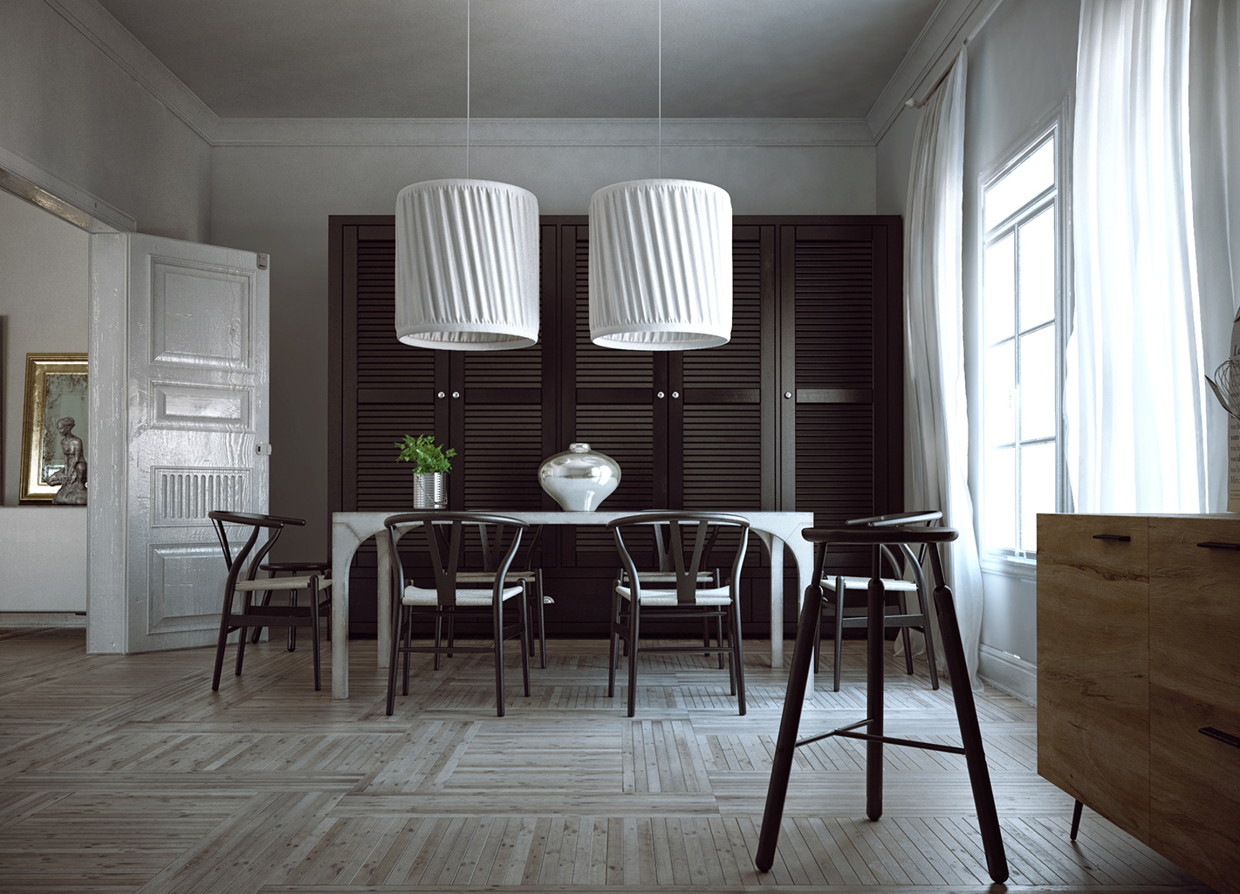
(314, 631)
(527, 641)
(258, 631)
(221, 642)
(634, 623)
(928, 632)
(839, 631)
(246, 605)
(497, 625)
(438, 638)
(904, 632)
(1076, 820)
(719, 637)
(731, 656)
(398, 623)
(406, 652)
(613, 652)
(292, 631)
(738, 653)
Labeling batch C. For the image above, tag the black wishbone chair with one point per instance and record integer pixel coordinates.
(443, 540)
(243, 580)
(680, 596)
(899, 558)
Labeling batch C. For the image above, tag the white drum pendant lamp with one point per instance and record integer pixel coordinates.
(660, 266)
(466, 265)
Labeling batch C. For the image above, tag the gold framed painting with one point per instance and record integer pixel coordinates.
(54, 430)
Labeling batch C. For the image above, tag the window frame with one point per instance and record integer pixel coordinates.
(1054, 125)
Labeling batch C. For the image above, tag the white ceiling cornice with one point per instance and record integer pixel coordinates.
(954, 22)
(98, 26)
(534, 132)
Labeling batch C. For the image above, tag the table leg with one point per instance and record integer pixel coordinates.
(775, 548)
(344, 544)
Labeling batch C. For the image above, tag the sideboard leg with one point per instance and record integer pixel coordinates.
(1076, 820)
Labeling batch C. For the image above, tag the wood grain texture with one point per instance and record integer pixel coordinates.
(1195, 607)
(126, 773)
(1195, 786)
(1093, 663)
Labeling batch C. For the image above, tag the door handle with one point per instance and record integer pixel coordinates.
(1118, 538)
(1225, 738)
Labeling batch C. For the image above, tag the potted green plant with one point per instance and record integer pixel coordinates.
(430, 464)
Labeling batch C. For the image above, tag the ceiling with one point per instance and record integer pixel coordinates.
(529, 58)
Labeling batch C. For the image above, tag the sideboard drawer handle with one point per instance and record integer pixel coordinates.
(1118, 538)
(1209, 544)
(1226, 738)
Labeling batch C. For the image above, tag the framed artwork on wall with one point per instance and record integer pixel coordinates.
(53, 468)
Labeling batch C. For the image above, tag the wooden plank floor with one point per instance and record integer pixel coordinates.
(126, 773)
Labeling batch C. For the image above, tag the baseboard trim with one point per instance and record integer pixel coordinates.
(14, 620)
(1007, 672)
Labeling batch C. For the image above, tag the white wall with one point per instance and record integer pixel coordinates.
(277, 199)
(68, 108)
(43, 281)
(1022, 64)
(43, 292)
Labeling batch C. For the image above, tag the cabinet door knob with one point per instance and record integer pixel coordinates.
(675, 394)
(441, 395)
(659, 395)
(455, 394)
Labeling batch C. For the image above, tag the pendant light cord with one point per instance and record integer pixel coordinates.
(468, 42)
(660, 89)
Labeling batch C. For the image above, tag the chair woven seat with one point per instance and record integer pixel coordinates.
(467, 598)
(667, 598)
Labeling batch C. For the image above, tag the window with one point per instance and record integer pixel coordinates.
(1022, 357)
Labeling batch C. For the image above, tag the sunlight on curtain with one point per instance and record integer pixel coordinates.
(1135, 394)
(936, 414)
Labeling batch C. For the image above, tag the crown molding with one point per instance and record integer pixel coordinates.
(930, 57)
(539, 132)
(97, 25)
(27, 180)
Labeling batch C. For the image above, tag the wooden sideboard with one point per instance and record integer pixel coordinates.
(1139, 679)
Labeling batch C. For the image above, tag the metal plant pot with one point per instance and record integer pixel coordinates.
(430, 490)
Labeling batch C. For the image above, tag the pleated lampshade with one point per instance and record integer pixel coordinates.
(466, 265)
(660, 266)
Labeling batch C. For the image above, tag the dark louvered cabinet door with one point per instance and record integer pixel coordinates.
(618, 406)
(393, 385)
(499, 429)
(838, 321)
(719, 455)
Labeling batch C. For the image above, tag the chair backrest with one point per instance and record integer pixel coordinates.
(491, 555)
(444, 541)
(272, 524)
(690, 535)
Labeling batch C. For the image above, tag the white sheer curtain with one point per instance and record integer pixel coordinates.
(936, 413)
(1214, 128)
(1136, 393)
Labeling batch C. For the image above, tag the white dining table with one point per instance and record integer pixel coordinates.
(351, 529)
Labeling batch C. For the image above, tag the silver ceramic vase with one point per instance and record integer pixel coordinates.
(579, 479)
(430, 490)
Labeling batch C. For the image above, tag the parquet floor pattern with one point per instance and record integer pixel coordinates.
(127, 774)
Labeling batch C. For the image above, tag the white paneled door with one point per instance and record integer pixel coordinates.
(194, 434)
